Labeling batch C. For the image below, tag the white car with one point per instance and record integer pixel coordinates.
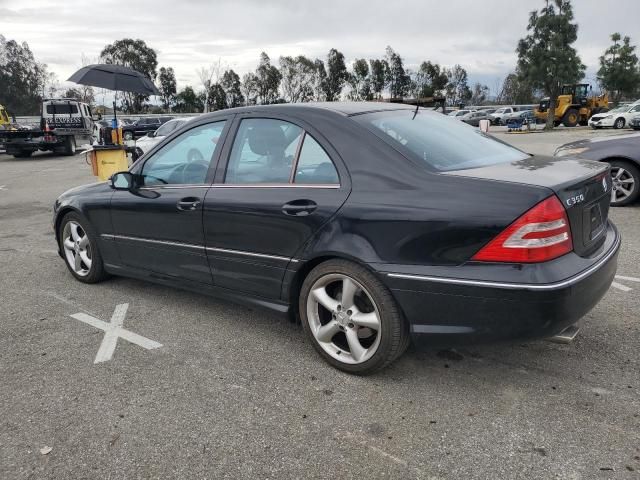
(498, 116)
(458, 114)
(146, 143)
(616, 118)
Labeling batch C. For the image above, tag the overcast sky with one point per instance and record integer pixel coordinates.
(188, 34)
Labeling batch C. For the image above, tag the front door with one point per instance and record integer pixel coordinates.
(279, 187)
(158, 225)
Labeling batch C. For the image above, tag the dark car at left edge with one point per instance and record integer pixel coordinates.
(372, 224)
(142, 126)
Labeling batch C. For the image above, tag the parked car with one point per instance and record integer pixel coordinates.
(524, 115)
(635, 122)
(622, 152)
(143, 126)
(372, 224)
(458, 114)
(473, 118)
(498, 116)
(616, 118)
(151, 139)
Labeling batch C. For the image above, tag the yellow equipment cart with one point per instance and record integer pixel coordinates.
(105, 160)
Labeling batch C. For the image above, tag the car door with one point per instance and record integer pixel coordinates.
(278, 182)
(158, 225)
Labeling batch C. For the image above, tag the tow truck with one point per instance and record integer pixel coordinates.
(65, 123)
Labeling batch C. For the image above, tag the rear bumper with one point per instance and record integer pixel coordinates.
(531, 301)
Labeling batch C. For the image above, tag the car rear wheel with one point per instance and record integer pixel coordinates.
(619, 123)
(625, 178)
(351, 318)
(80, 250)
(128, 135)
(69, 146)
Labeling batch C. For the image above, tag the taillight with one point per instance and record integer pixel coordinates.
(541, 234)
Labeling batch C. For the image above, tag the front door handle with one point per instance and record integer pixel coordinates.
(188, 204)
(299, 207)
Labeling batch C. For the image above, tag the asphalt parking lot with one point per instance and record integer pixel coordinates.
(221, 391)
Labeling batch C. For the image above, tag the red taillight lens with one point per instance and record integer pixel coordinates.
(541, 234)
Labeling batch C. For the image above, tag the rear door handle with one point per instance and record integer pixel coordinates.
(299, 207)
(188, 203)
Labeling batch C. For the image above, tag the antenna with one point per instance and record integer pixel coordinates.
(416, 111)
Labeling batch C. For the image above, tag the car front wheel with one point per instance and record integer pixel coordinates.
(351, 318)
(80, 250)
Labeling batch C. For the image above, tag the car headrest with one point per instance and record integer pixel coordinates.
(267, 140)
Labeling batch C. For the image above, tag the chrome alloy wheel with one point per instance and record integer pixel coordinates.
(77, 249)
(343, 318)
(623, 184)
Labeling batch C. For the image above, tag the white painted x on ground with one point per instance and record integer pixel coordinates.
(622, 287)
(112, 331)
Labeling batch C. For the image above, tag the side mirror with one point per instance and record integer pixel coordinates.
(122, 181)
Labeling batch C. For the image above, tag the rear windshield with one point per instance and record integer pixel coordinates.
(440, 142)
(61, 108)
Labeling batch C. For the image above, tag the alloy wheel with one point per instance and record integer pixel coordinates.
(623, 184)
(343, 318)
(77, 248)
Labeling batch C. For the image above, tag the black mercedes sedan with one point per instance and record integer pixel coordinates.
(372, 224)
(622, 152)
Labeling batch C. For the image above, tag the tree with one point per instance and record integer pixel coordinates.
(545, 56)
(137, 55)
(22, 78)
(231, 85)
(515, 90)
(319, 80)
(336, 75)
(298, 75)
(619, 72)
(479, 94)
(167, 79)
(359, 81)
(217, 98)
(429, 80)
(51, 85)
(208, 76)
(267, 80)
(458, 91)
(249, 88)
(378, 78)
(397, 78)
(187, 101)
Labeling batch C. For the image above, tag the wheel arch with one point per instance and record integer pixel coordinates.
(60, 215)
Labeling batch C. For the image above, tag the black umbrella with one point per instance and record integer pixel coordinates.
(114, 77)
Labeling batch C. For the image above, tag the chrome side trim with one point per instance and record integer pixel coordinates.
(275, 185)
(148, 240)
(108, 236)
(251, 254)
(174, 187)
(514, 286)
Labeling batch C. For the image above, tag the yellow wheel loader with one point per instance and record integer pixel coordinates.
(574, 105)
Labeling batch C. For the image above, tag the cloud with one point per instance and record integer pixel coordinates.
(188, 34)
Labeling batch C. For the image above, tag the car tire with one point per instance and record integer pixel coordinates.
(571, 118)
(23, 154)
(87, 268)
(349, 340)
(69, 146)
(619, 123)
(626, 175)
(128, 135)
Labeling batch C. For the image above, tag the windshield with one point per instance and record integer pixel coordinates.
(619, 110)
(438, 141)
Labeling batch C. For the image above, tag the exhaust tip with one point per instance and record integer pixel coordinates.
(567, 335)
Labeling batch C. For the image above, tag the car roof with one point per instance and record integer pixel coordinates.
(343, 108)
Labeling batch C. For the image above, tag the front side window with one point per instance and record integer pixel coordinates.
(185, 160)
(440, 143)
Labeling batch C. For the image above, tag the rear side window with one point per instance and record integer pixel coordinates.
(314, 165)
(61, 109)
(437, 141)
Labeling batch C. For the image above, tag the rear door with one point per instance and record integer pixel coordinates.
(279, 181)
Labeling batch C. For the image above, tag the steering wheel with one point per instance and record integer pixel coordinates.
(192, 172)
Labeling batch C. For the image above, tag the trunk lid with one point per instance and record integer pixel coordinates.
(583, 187)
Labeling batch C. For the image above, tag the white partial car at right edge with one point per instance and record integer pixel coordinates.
(616, 118)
